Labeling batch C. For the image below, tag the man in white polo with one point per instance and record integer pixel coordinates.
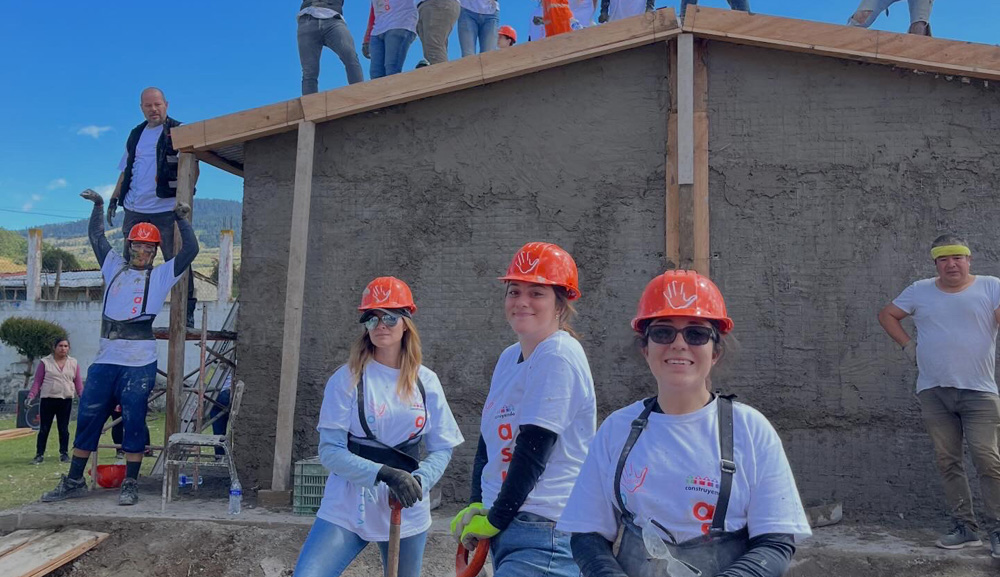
(956, 315)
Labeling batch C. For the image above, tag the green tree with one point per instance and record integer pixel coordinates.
(51, 255)
(32, 338)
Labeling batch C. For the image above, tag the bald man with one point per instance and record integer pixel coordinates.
(147, 183)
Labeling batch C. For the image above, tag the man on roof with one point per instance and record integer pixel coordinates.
(321, 23)
(920, 14)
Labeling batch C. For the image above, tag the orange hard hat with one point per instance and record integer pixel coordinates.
(387, 292)
(144, 232)
(682, 293)
(545, 263)
(509, 32)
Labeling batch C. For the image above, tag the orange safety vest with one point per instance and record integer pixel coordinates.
(557, 16)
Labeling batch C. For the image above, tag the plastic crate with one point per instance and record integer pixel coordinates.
(309, 484)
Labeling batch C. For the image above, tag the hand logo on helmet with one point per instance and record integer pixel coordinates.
(524, 263)
(380, 294)
(676, 296)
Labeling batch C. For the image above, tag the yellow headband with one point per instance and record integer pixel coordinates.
(950, 250)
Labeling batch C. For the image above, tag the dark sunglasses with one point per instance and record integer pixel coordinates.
(388, 319)
(694, 336)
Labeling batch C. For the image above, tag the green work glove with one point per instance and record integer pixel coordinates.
(477, 529)
(464, 516)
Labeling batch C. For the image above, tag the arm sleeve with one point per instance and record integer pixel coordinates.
(78, 382)
(531, 451)
(36, 385)
(371, 24)
(482, 457)
(592, 553)
(95, 231)
(768, 555)
(189, 247)
(337, 459)
(432, 467)
(905, 301)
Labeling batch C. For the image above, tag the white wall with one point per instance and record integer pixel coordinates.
(82, 320)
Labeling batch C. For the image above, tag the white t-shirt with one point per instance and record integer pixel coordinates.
(394, 14)
(672, 475)
(365, 510)
(625, 8)
(956, 333)
(123, 301)
(318, 13)
(481, 6)
(583, 11)
(537, 31)
(141, 195)
(552, 389)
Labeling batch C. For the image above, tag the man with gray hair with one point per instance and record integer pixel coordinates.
(147, 183)
(956, 315)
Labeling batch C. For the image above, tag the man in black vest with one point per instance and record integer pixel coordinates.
(147, 185)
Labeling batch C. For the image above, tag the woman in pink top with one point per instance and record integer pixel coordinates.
(57, 380)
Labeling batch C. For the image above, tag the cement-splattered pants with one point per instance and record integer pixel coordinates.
(950, 415)
(920, 11)
(108, 386)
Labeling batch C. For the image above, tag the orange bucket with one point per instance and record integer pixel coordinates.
(110, 476)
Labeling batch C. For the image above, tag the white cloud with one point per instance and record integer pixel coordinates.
(93, 131)
(26, 207)
(58, 183)
(36, 197)
(105, 190)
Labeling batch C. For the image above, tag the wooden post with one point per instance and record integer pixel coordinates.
(34, 280)
(55, 295)
(699, 194)
(685, 149)
(673, 204)
(186, 174)
(294, 293)
(225, 286)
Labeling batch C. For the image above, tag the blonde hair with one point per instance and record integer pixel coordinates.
(363, 350)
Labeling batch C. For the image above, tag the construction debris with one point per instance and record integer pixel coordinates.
(16, 433)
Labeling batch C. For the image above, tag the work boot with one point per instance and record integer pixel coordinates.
(37, 460)
(130, 492)
(995, 543)
(66, 489)
(63, 458)
(960, 536)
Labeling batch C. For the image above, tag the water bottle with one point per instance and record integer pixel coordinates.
(235, 497)
(186, 481)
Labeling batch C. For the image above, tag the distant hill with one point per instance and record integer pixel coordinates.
(210, 216)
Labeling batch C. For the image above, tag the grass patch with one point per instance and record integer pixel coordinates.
(21, 482)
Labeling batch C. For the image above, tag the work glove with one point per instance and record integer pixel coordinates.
(477, 529)
(464, 516)
(538, 21)
(403, 487)
(112, 209)
(910, 350)
(182, 210)
(92, 196)
(602, 18)
(366, 50)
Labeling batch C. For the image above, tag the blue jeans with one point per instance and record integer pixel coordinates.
(742, 5)
(473, 26)
(388, 51)
(220, 425)
(313, 35)
(529, 547)
(330, 548)
(108, 386)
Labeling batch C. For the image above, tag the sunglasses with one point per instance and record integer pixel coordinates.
(388, 319)
(694, 336)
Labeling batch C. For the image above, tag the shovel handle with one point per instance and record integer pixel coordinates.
(464, 568)
(395, 520)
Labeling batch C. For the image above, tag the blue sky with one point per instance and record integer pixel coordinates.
(72, 73)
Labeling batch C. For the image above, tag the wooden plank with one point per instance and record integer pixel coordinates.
(699, 195)
(238, 127)
(43, 555)
(294, 294)
(186, 176)
(217, 161)
(19, 539)
(16, 434)
(673, 204)
(939, 55)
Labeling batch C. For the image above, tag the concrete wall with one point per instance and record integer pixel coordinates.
(829, 180)
(441, 193)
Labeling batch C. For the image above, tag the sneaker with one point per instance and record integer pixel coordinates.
(995, 544)
(63, 458)
(130, 492)
(66, 489)
(37, 460)
(960, 536)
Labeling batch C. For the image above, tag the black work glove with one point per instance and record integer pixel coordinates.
(402, 485)
(366, 50)
(112, 209)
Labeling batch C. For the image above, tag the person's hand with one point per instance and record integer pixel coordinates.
(910, 350)
(112, 209)
(401, 485)
(182, 210)
(91, 195)
(366, 50)
(463, 517)
(602, 18)
(478, 528)
(538, 21)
